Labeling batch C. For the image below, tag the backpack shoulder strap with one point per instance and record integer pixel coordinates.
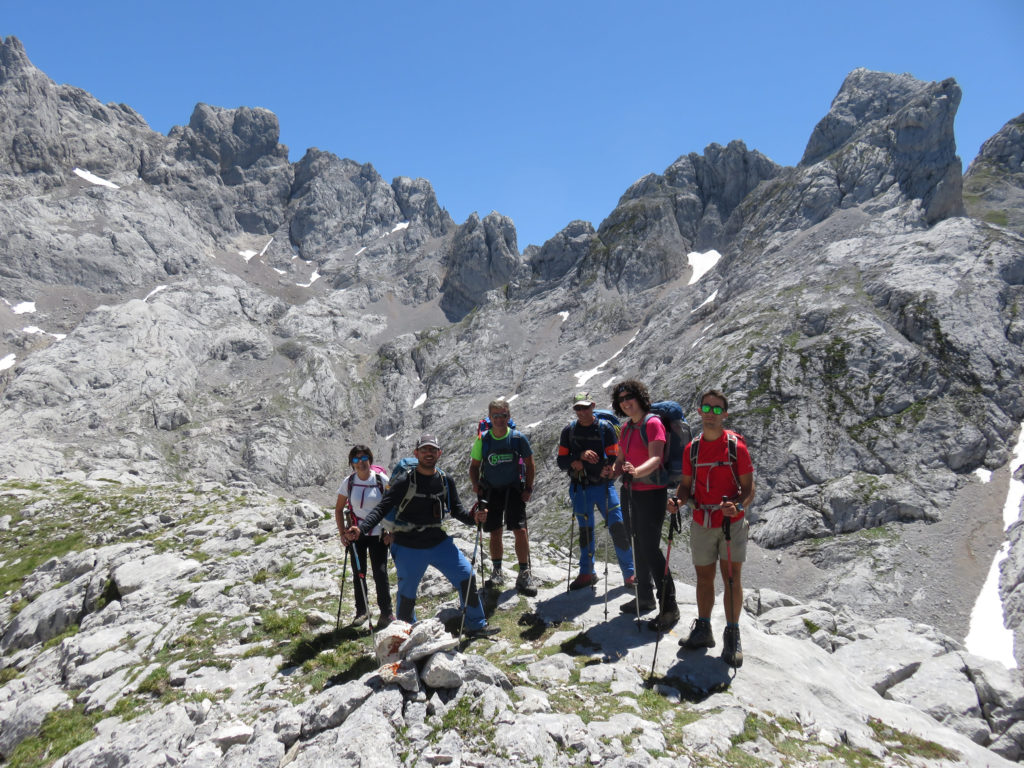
(694, 451)
(733, 453)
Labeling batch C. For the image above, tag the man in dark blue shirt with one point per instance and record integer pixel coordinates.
(586, 450)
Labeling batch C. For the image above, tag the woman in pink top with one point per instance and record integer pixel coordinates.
(644, 498)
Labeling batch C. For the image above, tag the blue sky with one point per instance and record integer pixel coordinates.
(543, 111)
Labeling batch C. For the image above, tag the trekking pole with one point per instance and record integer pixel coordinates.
(726, 531)
(568, 563)
(627, 481)
(607, 535)
(341, 594)
(673, 523)
(361, 579)
(472, 575)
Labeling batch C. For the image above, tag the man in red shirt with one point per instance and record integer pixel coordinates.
(720, 487)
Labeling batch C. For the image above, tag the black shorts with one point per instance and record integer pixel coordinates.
(504, 505)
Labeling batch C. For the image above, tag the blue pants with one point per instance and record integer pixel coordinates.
(604, 497)
(411, 564)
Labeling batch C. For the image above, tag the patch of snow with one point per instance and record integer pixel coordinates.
(247, 254)
(564, 316)
(608, 383)
(264, 250)
(706, 328)
(702, 263)
(708, 300)
(92, 178)
(582, 377)
(33, 330)
(400, 226)
(391, 436)
(534, 424)
(154, 292)
(988, 636)
(360, 250)
(312, 279)
(420, 400)
(279, 271)
(24, 308)
(7, 361)
(983, 474)
(510, 399)
(698, 341)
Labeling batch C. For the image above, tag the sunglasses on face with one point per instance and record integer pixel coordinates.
(499, 415)
(626, 396)
(579, 408)
(357, 459)
(715, 409)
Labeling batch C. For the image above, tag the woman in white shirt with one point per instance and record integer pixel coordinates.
(357, 495)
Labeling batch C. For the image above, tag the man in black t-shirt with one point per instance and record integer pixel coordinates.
(586, 450)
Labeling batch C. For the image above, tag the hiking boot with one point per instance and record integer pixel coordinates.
(360, 619)
(645, 607)
(629, 581)
(665, 620)
(701, 635)
(526, 584)
(483, 631)
(497, 579)
(384, 621)
(584, 580)
(732, 651)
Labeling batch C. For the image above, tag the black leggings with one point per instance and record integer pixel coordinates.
(644, 516)
(378, 553)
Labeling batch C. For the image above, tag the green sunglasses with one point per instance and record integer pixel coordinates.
(715, 409)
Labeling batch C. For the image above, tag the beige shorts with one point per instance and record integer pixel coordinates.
(708, 544)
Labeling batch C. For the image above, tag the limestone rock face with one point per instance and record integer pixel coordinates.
(483, 257)
(994, 182)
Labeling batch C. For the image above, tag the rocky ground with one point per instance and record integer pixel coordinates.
(195, 625)
(928, 572)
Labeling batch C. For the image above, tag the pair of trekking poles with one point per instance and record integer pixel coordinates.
(360, 578)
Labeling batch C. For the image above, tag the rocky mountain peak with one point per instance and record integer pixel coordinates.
(14, 61)
(234, 137)
(484, 254)
(994, 182)
(883, 128)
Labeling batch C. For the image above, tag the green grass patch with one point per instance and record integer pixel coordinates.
(903, 743)
(60, 733)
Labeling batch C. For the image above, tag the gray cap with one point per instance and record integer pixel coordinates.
(427, 439)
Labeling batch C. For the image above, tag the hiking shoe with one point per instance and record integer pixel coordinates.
(629, 581)
(497, 579)
(732, 651)
(645, 607)
(384, 621)
(483, 631)
(526, 584)
(584, 580)
(700, 635)
(665, 620)
(360, 619)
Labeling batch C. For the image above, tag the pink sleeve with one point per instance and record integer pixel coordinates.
(656, 431)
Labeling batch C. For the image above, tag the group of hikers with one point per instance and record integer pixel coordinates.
(405, 512)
